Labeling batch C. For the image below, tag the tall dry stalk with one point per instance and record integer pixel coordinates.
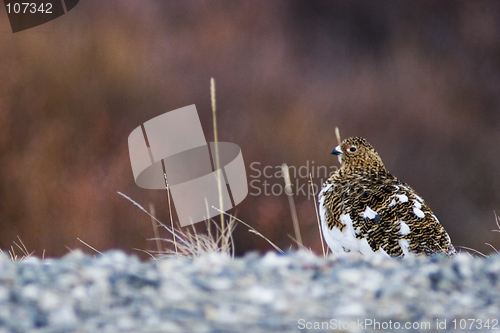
(217, 159)
(293, 210)
(337, 134)
(170, 208)
(155, 227)
(321, 238)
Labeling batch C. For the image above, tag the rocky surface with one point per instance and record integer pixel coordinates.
(296, 292)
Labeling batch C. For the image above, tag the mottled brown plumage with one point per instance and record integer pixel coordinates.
(365, 208)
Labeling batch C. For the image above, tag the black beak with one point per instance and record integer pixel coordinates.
(337, 151)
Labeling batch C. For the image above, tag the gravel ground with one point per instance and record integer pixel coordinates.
(297, 292)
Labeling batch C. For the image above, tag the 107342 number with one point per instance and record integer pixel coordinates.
(27, 7)
(470, 324)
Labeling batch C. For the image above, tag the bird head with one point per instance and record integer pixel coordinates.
(357, 153)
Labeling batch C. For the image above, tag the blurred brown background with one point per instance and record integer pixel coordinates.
(420, 80)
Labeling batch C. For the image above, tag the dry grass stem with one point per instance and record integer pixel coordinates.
(196, 244)
(155, 227)
(497, 221)
(24, 250)
(147, 252)
(473, 250)
(190, 243)
(158, 221)
(494, 249)
(217, 160)
(170, 211)
(293, 210)
(339, 141)
(90, 247)
(251, 229)
(321, 239)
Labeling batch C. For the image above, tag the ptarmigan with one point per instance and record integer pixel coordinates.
(366, 209)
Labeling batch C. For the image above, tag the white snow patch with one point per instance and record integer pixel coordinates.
(418, 212)
(404, 229)
(393, 203)
(369, 213)
(402, 197)
(419, 198)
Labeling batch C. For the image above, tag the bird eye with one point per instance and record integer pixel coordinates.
(351, 149)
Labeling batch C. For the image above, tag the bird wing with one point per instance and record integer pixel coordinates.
(392, 217)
